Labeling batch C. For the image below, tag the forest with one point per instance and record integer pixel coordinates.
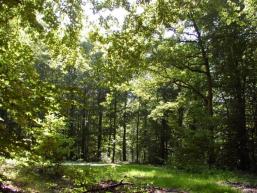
(147, 96)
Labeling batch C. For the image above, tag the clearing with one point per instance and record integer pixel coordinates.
(93, 177)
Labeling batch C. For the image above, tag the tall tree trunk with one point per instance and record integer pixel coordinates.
(124, 140)
(109, 137)
(163, 140)
(145, 136)
(239, 123)
(84, 127)
(132, 154)
(254, 137)
(124, 143)
(237, 86)
(114, 128)
(100, 99)
(137, 136)
(99, 137)
(83, 137)
(72, 130)
(209, 97)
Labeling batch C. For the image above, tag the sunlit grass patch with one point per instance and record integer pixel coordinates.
(208, 182)
(80, 177)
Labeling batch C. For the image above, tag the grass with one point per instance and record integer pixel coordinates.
(76, 178)
(204, 182)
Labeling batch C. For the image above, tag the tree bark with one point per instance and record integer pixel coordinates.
(99, 137)
(137, 136)
(84, 145)
(124, 140)
(109, 137)
(239, 123)
(163, 141)
(209, 97)
(114, 128)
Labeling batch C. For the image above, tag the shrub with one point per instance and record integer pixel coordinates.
(52, 142)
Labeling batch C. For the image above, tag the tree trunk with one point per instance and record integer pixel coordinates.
(145, 136)
(137, 136)
(180, 116)
(209, 97)
(132, 153)
(84, 139)
(124, 140)
(239, 123)
(84, 136)
(163, 141)
(124, 143)
(99, 137)
(114, 128)
(109, 137)
(253, 147)
(72, 130)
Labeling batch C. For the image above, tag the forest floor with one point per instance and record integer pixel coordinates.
(91, 177)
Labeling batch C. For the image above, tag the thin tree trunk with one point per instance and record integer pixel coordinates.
(163, 141)
(137, 137)
(84, 127)
(132, 154)
(124, 143)
(72, 130)
(180, 116)
(109, 137)
(254, 137)
(83, 137)
(114, 128)
(99, 137)
(124, 140)
(145, 136)
(101, 98)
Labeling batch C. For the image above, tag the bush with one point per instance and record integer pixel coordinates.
(52, 142)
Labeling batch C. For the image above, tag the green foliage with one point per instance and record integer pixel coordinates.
(175, 83)
(27, 28)
(194, 56)
(52, 141)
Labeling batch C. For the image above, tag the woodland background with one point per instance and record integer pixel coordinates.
(175, 83)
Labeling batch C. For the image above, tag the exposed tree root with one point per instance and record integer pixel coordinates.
(108, 186)
(119, 187)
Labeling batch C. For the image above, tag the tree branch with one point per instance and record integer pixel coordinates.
(188, 86)
(109, 187)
